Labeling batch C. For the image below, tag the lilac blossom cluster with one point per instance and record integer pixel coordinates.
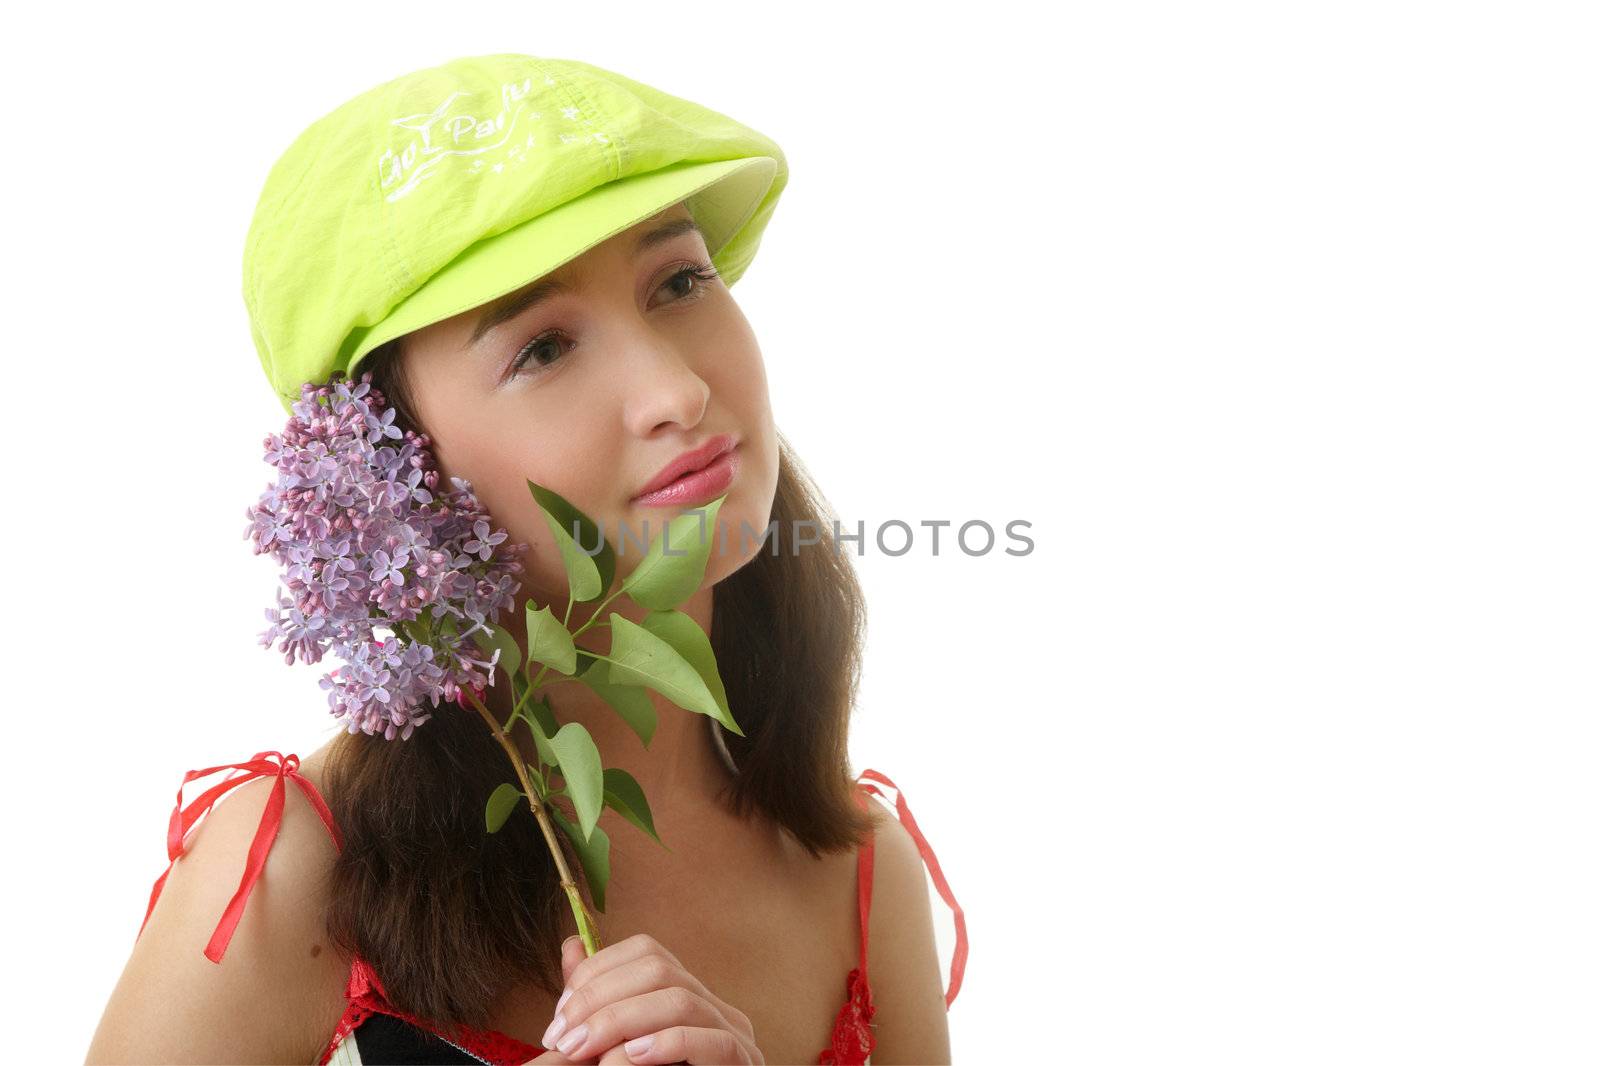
(366, 544)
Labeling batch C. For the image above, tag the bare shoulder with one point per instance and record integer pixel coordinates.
(907, 985)
(279, 990)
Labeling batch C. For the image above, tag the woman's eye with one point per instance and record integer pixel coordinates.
(702, 274)
(546, 348)
(544, 343)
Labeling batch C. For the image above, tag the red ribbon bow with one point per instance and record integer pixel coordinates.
(262, 764)
(958, 960)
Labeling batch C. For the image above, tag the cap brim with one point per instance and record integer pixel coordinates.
(723, 196)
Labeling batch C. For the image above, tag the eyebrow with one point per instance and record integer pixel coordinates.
(514, 304)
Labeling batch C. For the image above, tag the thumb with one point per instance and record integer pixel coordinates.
(571, 954)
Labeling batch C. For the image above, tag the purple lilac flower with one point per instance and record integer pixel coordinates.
(366, 542)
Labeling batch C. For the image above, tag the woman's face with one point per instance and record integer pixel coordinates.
(593, 389)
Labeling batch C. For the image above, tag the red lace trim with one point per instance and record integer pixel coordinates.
(853, 1039)
(367, 997)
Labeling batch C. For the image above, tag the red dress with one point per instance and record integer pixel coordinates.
(385, 1033)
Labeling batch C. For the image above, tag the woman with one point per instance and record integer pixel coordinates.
(417, 937)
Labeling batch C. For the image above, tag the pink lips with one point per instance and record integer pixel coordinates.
(697, 476)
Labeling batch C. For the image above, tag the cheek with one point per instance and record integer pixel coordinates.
(739, 382)
(743, 393)
(500, 458)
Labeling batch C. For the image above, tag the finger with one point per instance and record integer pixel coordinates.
(640, 1015)
(687, 1043)
(617, 1056)
(613, 955)
(648, 966)
(551, 1058)
(646, 974)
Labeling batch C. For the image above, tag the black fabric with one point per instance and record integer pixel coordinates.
(385, 1040)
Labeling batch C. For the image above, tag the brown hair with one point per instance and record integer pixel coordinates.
(451, 916)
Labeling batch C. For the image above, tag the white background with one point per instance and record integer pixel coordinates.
(1276, 321)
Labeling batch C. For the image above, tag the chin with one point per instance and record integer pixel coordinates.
(741, 547)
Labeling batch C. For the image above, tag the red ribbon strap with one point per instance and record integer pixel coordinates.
(958, 961)
(262, 764)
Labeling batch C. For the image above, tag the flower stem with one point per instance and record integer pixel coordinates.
(601, 606)
(534, 685)
(517, 707)
(588, 927)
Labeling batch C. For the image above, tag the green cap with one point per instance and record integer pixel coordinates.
(450, 186)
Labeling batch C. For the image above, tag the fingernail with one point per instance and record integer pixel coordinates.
(639, 1045)
(569, 1044)
(558, 1025)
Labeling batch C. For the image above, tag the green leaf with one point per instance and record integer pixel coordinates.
(501, 803)
(588, 577)
(580, 768)
(594, 855)
(691, 642)
(624, 796)
(543, 714)
(549, 641)
(631, 702)
(639, 657)
(500, 638)
(661, 581)
(542, 724)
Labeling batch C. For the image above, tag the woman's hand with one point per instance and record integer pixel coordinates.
(633, 1002)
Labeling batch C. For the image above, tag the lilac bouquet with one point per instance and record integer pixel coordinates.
(366, 544)
(406, 585)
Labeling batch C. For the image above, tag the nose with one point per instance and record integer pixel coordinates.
(663, 389)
